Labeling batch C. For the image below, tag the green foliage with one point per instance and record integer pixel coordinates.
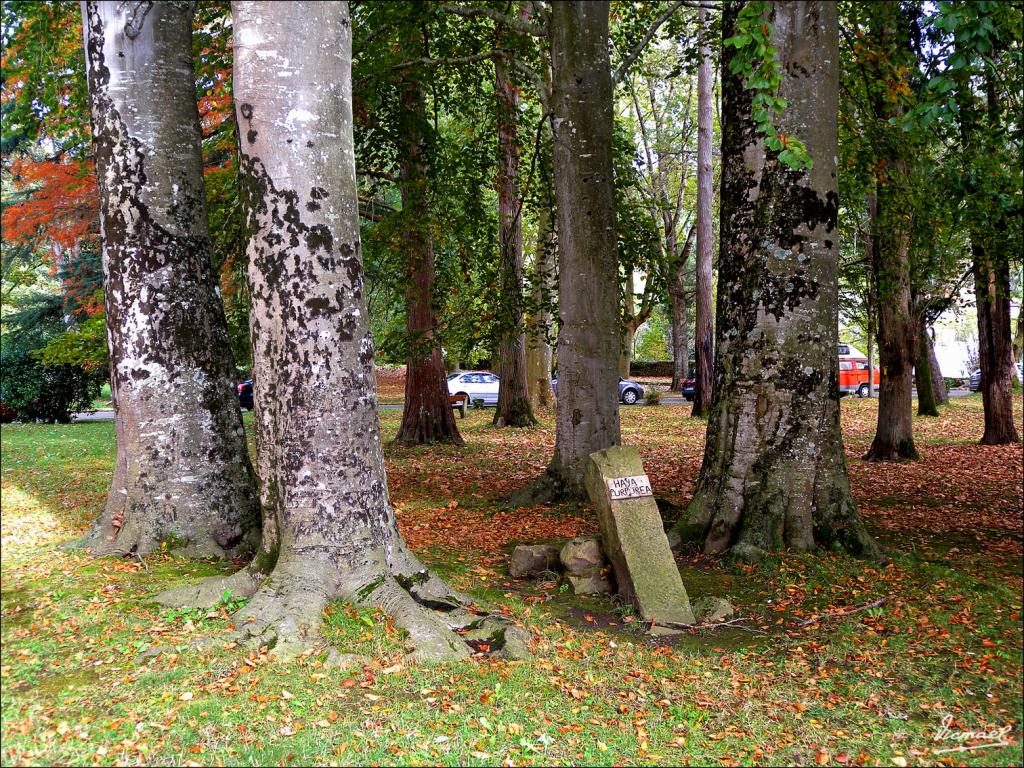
(31, 390)
(83, 346)
(652, 338)
(754, 59)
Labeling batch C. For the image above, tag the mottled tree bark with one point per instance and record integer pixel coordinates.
(589, 336)
(513, 408)
(427, 415)
(331, 531)
(182, 477)
(774, 471)
(703, 332)
(538, 327)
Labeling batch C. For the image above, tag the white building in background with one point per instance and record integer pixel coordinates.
(956, 340)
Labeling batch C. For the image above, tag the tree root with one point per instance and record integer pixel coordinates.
(208, 592)
(285, 612)
(546, 488)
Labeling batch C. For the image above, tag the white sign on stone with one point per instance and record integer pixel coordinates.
(634, 487)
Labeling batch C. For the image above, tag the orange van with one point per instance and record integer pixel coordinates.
(853, 372)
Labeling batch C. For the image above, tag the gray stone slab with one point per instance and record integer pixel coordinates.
(633, 536)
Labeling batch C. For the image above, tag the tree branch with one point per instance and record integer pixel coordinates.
(651, 31)
(454, 61)
(538, 82)
(497, 17)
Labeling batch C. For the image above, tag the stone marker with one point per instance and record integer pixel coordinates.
(634, 538)
(533, 560)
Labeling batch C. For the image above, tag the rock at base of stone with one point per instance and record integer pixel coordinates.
(582, 555)
(713, 610)
(634, 540)
(589, 584)
(533, 560)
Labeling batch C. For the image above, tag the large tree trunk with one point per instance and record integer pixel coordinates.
(324, 490)
(680, 314)
(182, 477)
(703, 331)
(927, 401)
(990, 265)
(774, 470)
(590, 331)
(538, 348)
(427, 415)
(897, 326)
(890, 233)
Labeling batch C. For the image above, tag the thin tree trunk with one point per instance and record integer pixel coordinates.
(538, 348)
(927, 401)
(321, 463)
(1018, 339)
(182, 477)
(995, 346)
(513, 408)
(703, 332)
(872, 299)
(938, 383)
(427, 415)
(628, 327)
(589, 338)
(680, 314)
(774, 470)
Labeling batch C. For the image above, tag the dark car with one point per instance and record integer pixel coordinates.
(689, 388)
(629, 391)
(244, 391)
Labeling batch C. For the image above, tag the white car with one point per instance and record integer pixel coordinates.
(479, 385)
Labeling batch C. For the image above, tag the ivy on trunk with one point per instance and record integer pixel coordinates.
(774, 470)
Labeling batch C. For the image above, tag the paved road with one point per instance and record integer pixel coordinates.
(672, 400)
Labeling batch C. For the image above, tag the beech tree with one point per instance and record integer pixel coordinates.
(774, 471)
(182, 477)
(329, 529)
(587, 411)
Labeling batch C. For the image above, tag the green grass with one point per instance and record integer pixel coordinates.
(872, 685)
(102, 401)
